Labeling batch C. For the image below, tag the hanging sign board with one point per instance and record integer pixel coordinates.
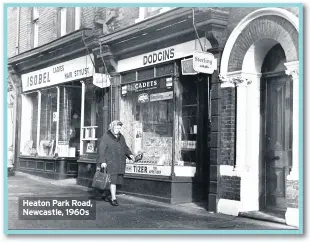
(187, 67)
(101, 80)
(204, 62)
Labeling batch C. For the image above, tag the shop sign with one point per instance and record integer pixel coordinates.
(159, 56)
(161, 96)
(148, 169)
(60, 73)
(101, 80)
(187, 67)
(204, 62)
(143, 86)
(143, 98)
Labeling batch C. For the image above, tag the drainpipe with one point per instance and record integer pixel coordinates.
(15, 89)
(17, 32)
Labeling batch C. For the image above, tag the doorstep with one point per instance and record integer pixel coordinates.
(271, 216)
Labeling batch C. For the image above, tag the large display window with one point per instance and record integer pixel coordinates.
(159, 114)
(50, 123)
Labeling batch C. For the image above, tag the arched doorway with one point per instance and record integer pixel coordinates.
(277, 103)
(253, 62)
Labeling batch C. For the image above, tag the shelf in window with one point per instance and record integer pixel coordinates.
(188, 149)
(189, 105)
(89, 139)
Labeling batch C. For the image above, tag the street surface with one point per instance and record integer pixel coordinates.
(133, 213)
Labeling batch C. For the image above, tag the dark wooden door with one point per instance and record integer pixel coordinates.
(278, 139)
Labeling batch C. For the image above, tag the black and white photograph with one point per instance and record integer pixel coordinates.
(153, 118)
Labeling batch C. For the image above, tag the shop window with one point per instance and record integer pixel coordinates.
(187, 121)
(50, 122)
(147, 12)
(95, 118)
(147, 112)
(29, 123)
(69, 120)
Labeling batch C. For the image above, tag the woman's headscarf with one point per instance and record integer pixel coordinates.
(113, 124)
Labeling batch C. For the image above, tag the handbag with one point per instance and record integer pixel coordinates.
(101, 180)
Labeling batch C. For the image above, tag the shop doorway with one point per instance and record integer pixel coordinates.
(278, 92)
(196, 120)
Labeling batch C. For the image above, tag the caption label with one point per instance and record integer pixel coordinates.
(60, 208)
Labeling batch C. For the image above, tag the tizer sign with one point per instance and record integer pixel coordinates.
(204, 62)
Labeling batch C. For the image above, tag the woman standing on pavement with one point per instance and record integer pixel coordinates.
(112, 156)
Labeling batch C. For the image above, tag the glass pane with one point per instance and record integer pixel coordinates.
(29, 123)
(146, 73)
(186, 137)
(69, 121)
(92, 113)
(129, 77)
(147, 114)
(48, 122)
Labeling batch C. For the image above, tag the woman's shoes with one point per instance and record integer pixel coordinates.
(114, 202)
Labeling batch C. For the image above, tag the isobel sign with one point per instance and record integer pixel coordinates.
(63, 72)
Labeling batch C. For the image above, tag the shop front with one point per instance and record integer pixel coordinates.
(51, 131)
(163, 119)
(51, 117)
(165, 110)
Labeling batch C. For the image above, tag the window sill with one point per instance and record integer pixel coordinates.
(45, 157)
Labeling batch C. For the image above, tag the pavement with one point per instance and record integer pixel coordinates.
(133, 213)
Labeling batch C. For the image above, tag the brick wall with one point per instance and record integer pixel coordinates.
(125, 17)
(88, 16)
(292, 190)
(25, 30)
(11, 31)
(47, 25)
(228, 126)
(229, 187)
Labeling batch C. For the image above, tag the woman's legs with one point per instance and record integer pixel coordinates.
(113, 191)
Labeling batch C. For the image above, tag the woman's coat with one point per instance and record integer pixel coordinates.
(113, 152)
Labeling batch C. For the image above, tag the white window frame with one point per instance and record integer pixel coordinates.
(143, 11)
(63, 21)
(35, 22)
(77, 22)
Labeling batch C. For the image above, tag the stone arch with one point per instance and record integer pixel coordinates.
(266, 27)
(278, 25)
